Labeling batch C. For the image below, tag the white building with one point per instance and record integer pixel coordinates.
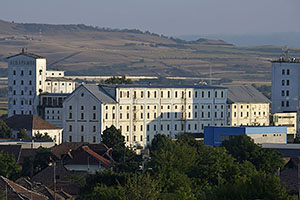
(286, 86)
(247, 106)
(34, 125)
(27, 79)
(141, 111)
(288, 119)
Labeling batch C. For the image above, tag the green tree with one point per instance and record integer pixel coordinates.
(112, 137)
(5, 131)
(9, 167)
(117, 80)
(297, 140)
(242, 147)
(42, 159)
(126, 159)
(40, 136)
(22, 134)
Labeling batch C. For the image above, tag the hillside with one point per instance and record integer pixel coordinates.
(86, 50)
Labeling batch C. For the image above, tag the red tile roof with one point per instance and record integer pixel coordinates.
(103, 160)
(28, 122)
(22, 192)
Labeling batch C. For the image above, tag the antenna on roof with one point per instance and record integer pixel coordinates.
(285, 52)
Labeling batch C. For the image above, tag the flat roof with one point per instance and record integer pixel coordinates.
(280, 146)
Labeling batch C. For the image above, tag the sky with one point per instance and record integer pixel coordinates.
(168, 17)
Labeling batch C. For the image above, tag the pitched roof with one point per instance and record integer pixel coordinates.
(81, 157)
(15, 150)
(99, 93)
(245, 94)
(26, 54)
(60, 150)
(164, 86)
(28, 122)
(22, 192)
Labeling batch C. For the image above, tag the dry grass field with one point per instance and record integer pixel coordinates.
(83, 50)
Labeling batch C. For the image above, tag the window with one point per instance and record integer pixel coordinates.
(82, 138)
(113, 115)
(141, 138)
(82, 128)
(127, 94)
(94, 115)
(190, 94)
(148, 138)
(30, 82)
(208, 94)
(189, 127)
(148, 94)
(94, 128)
(82, 94)
(282, 103)
(169, 94)
(161, 94)
(94, 139)
(82, 107)
(148, 127)
(148, 115)
(282, 92)
(141, 115)
(222, 94)
(208, 114)
(216, 94)
(176, 94)
(134, 138)
(94, 107)
(287, 72)
(22, 92)
(196, 115)
(14, 82)
(168, 127)
(127, 128)
(141, 128)
(120, 115)
(22, 102)
(14, 92)
(154, 94)
(14, 72)
(282, 82)
(70, 138)
(287, 82)
(70, 115)
(70, 128)
(287, 93)
(176, 115)
(287, 103)
(168, 115)
(30, 72)
(202, 94)
(134, 128)
(142, 94)
(154, 127)
(196, 94)
(120, 94)
(106, 115)
(162, 127)
(82, 115)
(195, 127)
(283, 72)
(70, 107)
(22, 72)
(175, 127)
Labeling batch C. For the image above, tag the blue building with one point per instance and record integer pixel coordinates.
(214, 136)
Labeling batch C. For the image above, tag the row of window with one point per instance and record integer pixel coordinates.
(22, 112)
(285, 82)
(168, 95)
(22, 82)
(22, 92)
(82, 128)
(81, 107)
(82, 139)
(165, 107)
(247, 114)
(23, 102)
(287, 72)
(285, 93)
(22, 72)
(82, 116)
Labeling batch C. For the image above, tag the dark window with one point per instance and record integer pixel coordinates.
(282, 103)
(283, 72)
(94, 115)
(94, 139)
(70, 128)
(282, 82)
(82, 139)
(70, 115)
(287, 93)
(287, 103)
(287, 82)
(288, 72)
(70, 138)
(282, 92)
(208, 94)
(82, 128)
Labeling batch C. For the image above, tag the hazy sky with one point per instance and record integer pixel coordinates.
(169, 17)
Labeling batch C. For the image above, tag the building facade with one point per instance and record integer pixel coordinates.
(288, 119)
(247, 106)
(286, 87)
(142, 111)
(214, 136)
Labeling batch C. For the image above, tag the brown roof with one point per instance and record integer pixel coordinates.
(28, 122)
(62, 181)
(22, 192)
(60, 150)
(25, 54)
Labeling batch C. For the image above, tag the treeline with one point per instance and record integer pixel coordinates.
(187, 169)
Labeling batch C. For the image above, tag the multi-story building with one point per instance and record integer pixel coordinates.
(288, 119)
(247, 106)
(286, 86)
(28, 79)
(141, 111)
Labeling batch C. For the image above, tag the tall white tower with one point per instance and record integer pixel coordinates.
(286, 86)
(26, 80)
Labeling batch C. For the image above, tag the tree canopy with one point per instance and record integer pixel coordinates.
(9, 167)
(22, 134)
(5, 131)
(117, 80)
(188, 169)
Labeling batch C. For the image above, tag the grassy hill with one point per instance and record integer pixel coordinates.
(86, 50)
